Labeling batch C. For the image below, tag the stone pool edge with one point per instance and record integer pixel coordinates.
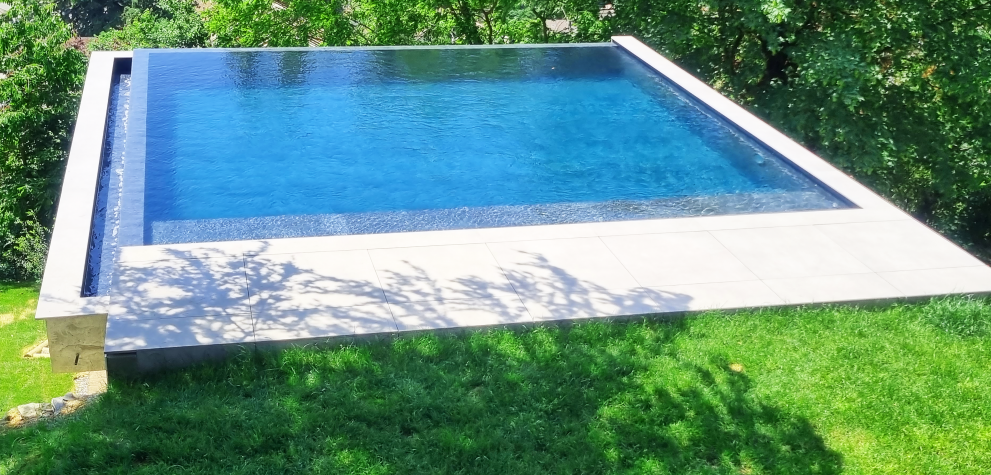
(77, 324)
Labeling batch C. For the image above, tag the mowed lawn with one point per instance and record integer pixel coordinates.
(24, 380)
(901, 388)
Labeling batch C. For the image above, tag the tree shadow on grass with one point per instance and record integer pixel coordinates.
(588, 398)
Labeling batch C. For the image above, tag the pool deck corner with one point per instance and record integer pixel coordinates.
(61, 302)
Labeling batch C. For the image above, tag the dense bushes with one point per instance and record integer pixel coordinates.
(39, 90)
(167, 24)
(896, 93)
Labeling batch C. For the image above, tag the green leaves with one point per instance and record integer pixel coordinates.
(236, 23)
(775, 10)
(169, 24)
(39, 91)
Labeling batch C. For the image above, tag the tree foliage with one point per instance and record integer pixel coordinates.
(166, 24)
(39, 91)
(237, 23)
(89, 17)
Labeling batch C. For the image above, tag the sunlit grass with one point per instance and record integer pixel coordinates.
(902, 388)
(24, 380)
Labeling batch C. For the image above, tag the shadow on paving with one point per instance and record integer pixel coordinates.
(196, 298)
(590, 398)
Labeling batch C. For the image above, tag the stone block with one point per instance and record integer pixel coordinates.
(77, 343)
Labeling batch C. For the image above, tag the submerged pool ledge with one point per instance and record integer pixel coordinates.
(175, 303)
(276, 227)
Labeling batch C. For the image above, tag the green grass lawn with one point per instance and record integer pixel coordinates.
(24, 380)
(904, 388)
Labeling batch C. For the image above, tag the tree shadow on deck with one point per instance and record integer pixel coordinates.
(213, 296)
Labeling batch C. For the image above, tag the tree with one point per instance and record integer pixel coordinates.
(168, 24)
(254, 23)
(39, 93)
(90, 17)
(399, 22)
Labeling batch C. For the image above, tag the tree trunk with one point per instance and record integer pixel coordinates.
(487, 16)
(775, 64)
(465, 21)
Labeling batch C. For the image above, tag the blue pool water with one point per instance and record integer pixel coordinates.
(260, 144)
(103, 243)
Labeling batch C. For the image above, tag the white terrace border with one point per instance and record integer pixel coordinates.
(869, 206)
(61, 287)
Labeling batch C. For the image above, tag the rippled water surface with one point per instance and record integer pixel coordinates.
(386, 139)
(106, 213)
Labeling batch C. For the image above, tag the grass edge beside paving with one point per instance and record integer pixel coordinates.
(24, 380)
(899, 388)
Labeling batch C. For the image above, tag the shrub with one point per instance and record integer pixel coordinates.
(39, 93)
(169, 24)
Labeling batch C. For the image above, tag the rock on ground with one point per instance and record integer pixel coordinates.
(87, 387)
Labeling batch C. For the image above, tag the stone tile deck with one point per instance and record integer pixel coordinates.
(254, 291)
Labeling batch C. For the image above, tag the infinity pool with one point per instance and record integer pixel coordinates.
(381, 140)
(213, 145)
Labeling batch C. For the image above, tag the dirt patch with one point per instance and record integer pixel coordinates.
(19, 314)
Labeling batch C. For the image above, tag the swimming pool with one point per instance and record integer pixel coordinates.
(222, 145)
(263, 144)
(573, 243)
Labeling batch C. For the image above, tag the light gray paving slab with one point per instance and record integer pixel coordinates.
(787, 252)
(56, 306)
(180, 288)
(593, 303)
(917, 283)
(323, 322)
(198, 250)
(433, 314)
(713, 296)
(898, 245)
(284, 283)
(833, 288)
(130, 335)
(567, 267)
(580, 230)
(677, 258)
(465, 272)
(364, 241)
(506, 234)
